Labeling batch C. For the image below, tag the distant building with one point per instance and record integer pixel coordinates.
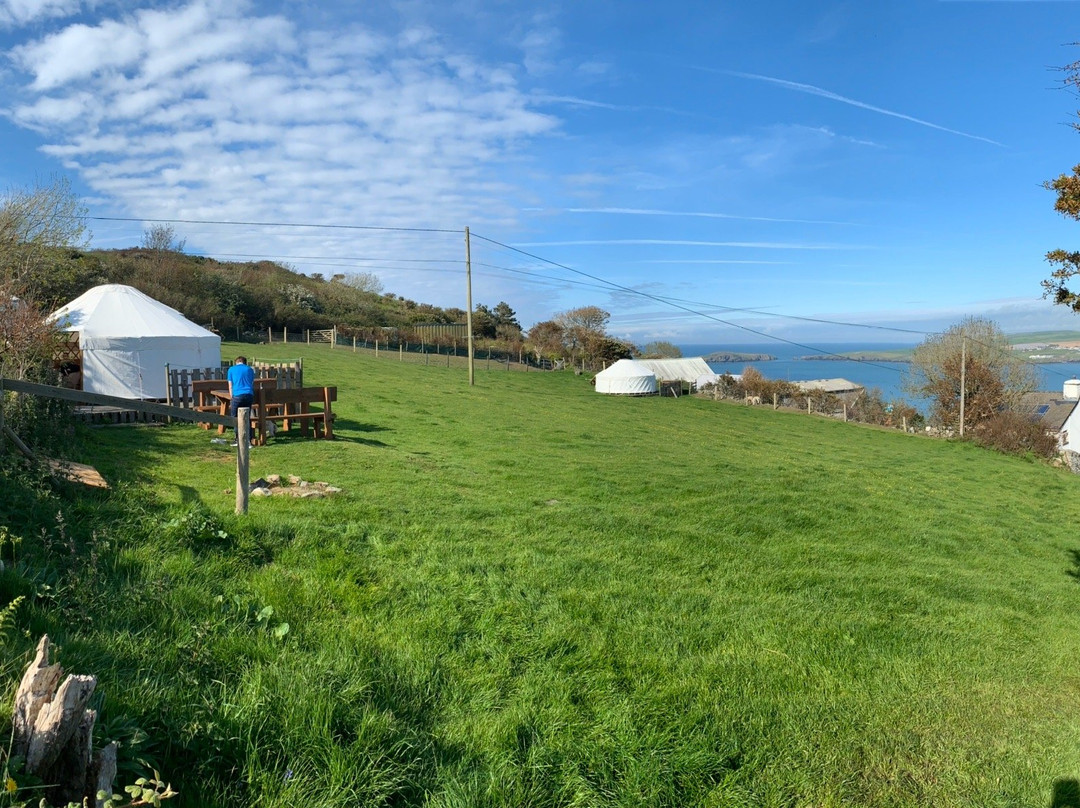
(1059, 414)
(435, 331)
(837, 387)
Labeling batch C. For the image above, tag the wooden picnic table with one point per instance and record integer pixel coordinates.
(286, 406)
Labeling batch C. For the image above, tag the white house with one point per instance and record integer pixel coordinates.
(1060, 415)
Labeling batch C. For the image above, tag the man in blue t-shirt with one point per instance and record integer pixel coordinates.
(241, 386)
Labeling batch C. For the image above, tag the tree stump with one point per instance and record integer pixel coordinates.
(53, 732)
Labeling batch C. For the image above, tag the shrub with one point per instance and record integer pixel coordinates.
(1013, 433)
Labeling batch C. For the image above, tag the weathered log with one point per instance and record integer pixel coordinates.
(53, 731)
(38, 685)
(102, 773)
(69, 772)
(58, 722)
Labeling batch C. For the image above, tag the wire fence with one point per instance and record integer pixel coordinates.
(400, 346)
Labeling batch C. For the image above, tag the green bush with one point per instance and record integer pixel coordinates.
(1013, 433)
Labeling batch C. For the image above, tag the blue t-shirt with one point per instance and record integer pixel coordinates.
(242, 380)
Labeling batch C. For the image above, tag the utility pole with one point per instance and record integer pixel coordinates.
(963, 381)
(468, 301)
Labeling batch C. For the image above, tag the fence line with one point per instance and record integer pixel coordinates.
(179, 391)
(241, 422)
(102, 400)
(406, 346)
(452, 354)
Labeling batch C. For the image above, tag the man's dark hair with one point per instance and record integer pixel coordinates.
(241, 359)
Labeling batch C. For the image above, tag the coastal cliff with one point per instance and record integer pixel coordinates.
(721, 356)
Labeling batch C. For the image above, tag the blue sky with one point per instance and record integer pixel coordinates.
(872, 163)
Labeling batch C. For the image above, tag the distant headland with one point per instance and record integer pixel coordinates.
(865, 356)
(728, 356)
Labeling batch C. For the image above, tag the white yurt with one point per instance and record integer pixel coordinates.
(627, 378)
(127, 338)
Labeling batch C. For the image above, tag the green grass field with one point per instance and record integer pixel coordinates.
(532, 595)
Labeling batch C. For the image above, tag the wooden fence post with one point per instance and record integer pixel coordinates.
(243, 451)
(285, 334)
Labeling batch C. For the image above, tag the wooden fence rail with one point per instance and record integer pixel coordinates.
(137, 405)
(180, 393)
(242, 421)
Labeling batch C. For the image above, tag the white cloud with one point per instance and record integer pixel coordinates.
(20, 12)
(204, 112)
(78, 52)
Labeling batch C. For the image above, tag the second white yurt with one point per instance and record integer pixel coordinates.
(127, 338)
(627, 378)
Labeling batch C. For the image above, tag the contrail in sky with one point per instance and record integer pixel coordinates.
(698, 214)
(762, 245)
(810, 89)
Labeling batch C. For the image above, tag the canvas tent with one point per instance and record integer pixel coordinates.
(127, 338)
(673, 370)
(627, 378)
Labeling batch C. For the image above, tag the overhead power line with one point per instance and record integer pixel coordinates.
(602, 283)
(668, 302)
(277, 224)
(677, 303)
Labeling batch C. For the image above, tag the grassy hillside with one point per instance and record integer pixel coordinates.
(530, 594)
(1044, 336)
(1050, 338)
(233, 296)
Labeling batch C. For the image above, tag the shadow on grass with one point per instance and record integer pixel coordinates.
(1066, 793)
(1074, 556)
(345, 423)
(286, 438)
(188, 495)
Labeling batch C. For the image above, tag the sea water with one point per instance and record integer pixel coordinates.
(888, 377)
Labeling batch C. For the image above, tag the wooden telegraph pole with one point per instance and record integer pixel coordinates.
(468, 303)
(963, 381)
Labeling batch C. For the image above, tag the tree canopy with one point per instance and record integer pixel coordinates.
(34, 222)
(1066, 263)
(661, 350)
(578, 335)
(973, 360)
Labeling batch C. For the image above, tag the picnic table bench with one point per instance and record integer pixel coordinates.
(212, 395)
(286, 406)
(272, 405)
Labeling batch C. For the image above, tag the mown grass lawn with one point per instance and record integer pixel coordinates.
(530, 594)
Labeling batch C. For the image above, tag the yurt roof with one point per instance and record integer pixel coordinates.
(116, 310)
(687, 369)
(626, 368)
